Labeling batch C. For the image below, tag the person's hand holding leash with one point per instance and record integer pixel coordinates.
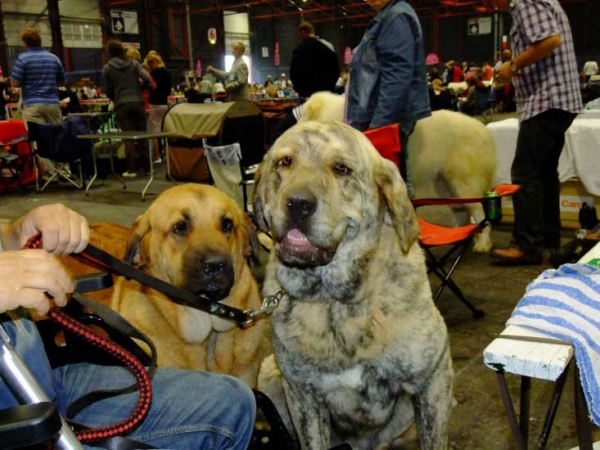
(31, 276)
(34, 275)
(63, 231)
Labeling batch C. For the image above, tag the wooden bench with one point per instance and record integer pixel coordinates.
(531, 354)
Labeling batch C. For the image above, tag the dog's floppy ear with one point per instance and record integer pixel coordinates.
(250, 238)
(133, 254)
(258, 254)
(401, 212)
(265, 185)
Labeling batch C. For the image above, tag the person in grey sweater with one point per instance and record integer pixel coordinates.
(236, 80)
(124, 80)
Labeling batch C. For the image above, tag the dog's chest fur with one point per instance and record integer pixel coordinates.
(351, 356)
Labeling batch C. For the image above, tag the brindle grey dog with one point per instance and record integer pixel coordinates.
(362, 348)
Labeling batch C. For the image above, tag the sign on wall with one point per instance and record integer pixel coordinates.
(481, 25)
(124, 22)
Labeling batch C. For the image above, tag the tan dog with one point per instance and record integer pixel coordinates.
(449, 155)
(194, 237)
(361, 347)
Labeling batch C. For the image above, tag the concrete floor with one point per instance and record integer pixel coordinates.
(478, 420)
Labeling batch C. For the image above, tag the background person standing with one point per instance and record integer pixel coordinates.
(124, 79)
(158, 97)
(314, 65)
(38, 73)
(388, 77)
(544, 73)
(236, 80)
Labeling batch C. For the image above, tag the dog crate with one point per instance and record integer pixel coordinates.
(218, 124)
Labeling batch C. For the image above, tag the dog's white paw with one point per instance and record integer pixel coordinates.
(483, 242)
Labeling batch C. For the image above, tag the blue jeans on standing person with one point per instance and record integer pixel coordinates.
(189, 409)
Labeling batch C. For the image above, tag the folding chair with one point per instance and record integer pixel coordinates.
(63, 153)
(457, 239)
(249, 133)
(387, 142)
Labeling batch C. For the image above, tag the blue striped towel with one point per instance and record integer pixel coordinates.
(565, 304)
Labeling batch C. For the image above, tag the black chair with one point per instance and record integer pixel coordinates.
(485, 104)
(65, 156)
(28, 425)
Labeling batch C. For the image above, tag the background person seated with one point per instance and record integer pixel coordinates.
(440, 96)
(469, 104)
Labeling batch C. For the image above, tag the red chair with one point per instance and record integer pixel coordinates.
(16, 159)
(457, 239)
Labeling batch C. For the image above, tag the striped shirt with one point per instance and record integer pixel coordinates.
(38, 72)
(553, 82)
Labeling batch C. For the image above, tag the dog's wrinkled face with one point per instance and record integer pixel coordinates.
(194, 237)
(322, 188)
(317, 181)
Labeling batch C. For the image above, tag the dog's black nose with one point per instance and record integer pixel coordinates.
(301, 205)
(215, 265)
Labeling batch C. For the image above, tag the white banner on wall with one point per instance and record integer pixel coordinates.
(124, 22)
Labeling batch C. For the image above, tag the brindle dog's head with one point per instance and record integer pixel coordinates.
(325, 193)
(195, 237)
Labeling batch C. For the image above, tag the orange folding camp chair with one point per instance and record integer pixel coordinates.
(458, 239)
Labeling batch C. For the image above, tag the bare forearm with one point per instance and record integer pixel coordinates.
(537, 51)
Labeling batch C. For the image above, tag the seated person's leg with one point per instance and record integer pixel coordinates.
(28, 344)
(189, 409)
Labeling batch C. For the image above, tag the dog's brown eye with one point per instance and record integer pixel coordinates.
(284, 162)
(342, 169)
(227, 225)
(180, 227)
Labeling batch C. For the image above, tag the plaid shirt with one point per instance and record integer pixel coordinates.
(553, 82)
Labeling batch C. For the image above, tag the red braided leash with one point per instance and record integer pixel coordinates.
(131, 362)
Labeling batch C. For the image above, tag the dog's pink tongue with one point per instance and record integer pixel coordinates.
(296, 240)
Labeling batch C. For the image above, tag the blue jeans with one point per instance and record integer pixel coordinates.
(189, 409)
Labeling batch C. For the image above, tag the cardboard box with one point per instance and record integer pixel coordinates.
(572, 195)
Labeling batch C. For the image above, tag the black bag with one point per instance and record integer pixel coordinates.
(588, 217)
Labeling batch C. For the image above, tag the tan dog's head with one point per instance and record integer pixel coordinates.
(325, 193)
(193, 236)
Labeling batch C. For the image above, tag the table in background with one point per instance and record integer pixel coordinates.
(274, 109)
(589, 114)
(133, 136)
(90, 116)
(580, 156)
(95, 104)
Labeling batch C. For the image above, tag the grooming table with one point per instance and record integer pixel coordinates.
(531, 354)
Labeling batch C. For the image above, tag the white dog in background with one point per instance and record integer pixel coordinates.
(449, 155)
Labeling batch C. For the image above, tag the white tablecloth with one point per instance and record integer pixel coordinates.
(580, 156)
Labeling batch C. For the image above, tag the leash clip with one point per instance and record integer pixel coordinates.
(269, 304)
